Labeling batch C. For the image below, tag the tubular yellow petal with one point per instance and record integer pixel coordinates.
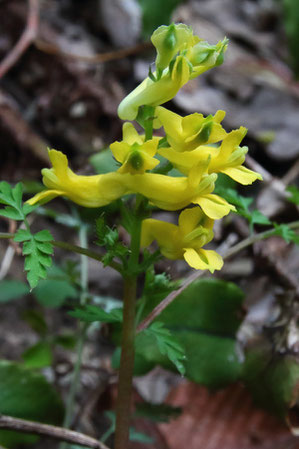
(59, 162)
(171, 122)
(214, 259)
(120, 150)
(232, 141)
(192, 257)
(130, 135)
(164, 233)
(242, 175)
(214, 206)
(154, 93)
(150, 147)
(44, 196)
(203, 259)
(189, 219)
(88, 191)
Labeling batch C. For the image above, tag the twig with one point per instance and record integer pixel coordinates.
(26, 39)
(197, 274)
(291, 174)
(57, 433)
(276, 183)
(101, 57)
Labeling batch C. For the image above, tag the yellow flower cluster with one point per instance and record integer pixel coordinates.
(181, 56)
(197, 146)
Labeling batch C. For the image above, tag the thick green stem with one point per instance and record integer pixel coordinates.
(123, 406)
(148, 124)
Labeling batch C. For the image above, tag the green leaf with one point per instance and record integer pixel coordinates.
(22, 235)
(166, 342)
(54, 291)
(43, 236)
(272, 379)
(196, 319)
(294, 195)
(27, 395)
(104, 162)
(156, 13)
(242, 204)
(157, 412)
(10, 212)
(28, 208)
(37, 251)
(91, 314)
(36, 321)
(17, 193)
(38, 356)
(256, 217)
(10, 290)
(12, 198)
(285, 232)
(67, 341)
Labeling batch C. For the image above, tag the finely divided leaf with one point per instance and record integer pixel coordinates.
(91, 314)
(242, 204)
(285, 232)
(167, 344)
(38, 249)
(12, 199)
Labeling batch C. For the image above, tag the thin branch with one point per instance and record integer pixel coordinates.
(52, 49)
(57, 433)
(197, 274)
(84, 251)
(28, 36)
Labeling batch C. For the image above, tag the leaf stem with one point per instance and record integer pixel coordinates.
(74, 248)
(123, 406)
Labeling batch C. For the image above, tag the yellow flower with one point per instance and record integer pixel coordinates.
(153, 93)
(194, 57)
(230, 157)
(227, 158)
(185, 240)
(88, 191)
(171, 193)
(169, 40)
(135, 155)
(187, 133)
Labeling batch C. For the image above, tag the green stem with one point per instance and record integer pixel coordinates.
(123, 406)
(82, 335)
(84, 251)
(148, 123)
(255, 238)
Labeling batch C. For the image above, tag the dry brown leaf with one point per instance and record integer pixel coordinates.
(227, 419)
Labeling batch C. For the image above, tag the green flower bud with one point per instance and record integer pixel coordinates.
(169, 40)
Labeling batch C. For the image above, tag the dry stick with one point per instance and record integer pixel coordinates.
(101, 57)
(26, 39)
(57, 433)
(197, 274)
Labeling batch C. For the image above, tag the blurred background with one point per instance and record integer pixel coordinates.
(60, 88)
